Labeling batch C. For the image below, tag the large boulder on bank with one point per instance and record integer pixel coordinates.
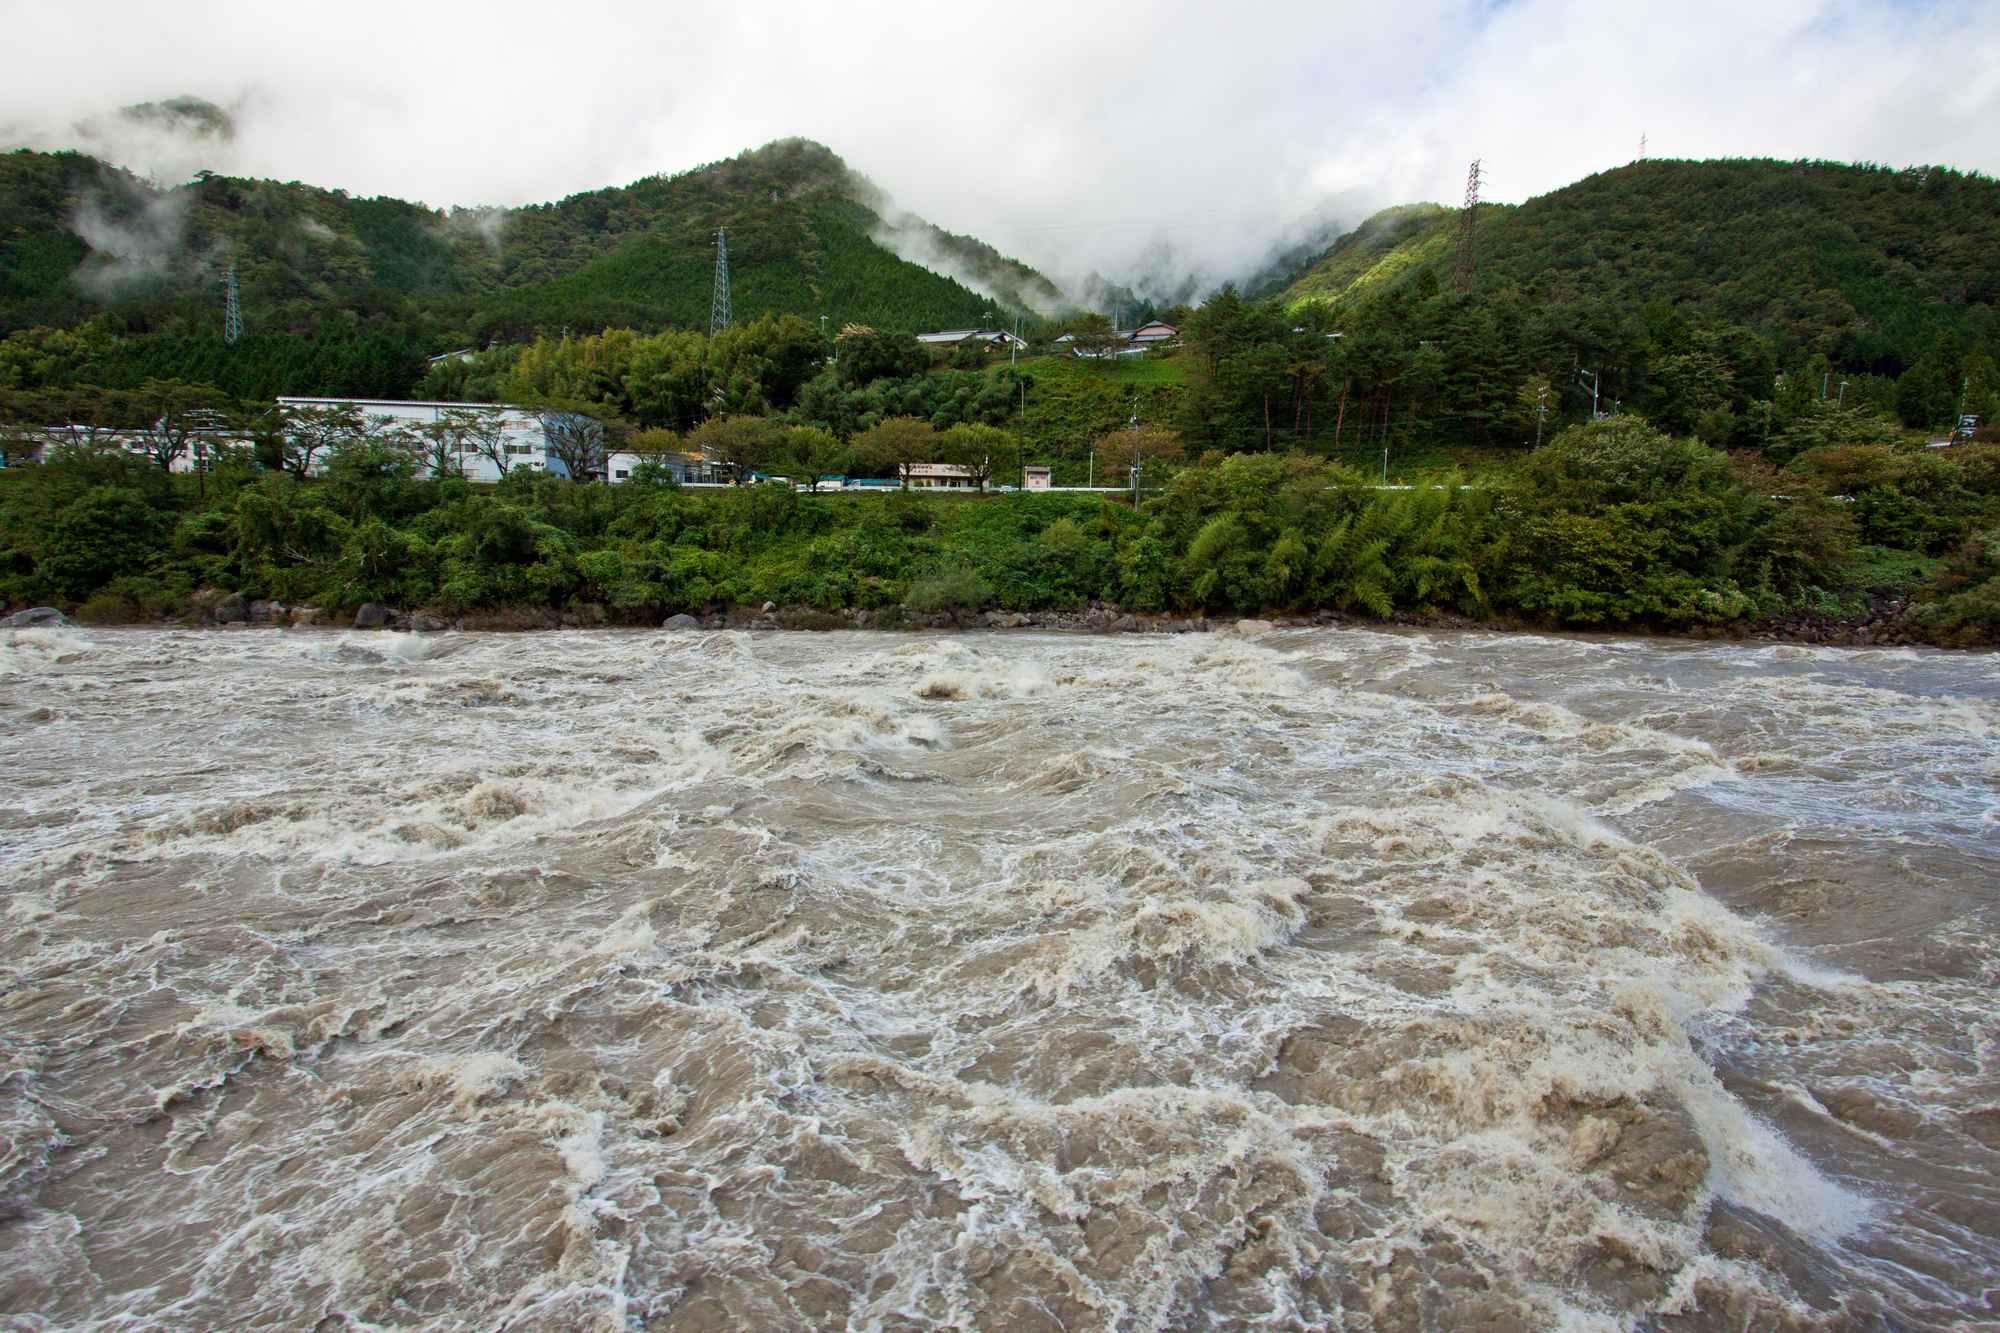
(681, 621)
(1252, 627)
(371, 615)
(37, 617)
(423, 622)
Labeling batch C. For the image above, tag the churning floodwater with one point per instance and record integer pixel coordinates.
(1327, 979)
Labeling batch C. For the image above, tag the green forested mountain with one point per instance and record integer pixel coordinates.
(1863, 266)
(346, 295)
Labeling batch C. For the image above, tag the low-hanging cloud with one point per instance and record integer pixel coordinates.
(1163, 148)
(133, 234)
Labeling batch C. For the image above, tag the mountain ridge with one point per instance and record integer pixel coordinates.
(1863, 264)
(81, 236)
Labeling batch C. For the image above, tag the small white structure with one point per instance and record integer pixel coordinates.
(689, 469)
(1036, 478)
(940, 476)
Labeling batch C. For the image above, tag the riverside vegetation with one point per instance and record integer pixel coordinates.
(1613, 523)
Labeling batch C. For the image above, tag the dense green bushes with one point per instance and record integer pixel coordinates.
(1609, 524)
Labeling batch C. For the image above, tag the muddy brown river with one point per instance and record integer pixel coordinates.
(1330, 979)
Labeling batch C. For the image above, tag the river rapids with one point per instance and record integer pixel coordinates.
(1328, 979)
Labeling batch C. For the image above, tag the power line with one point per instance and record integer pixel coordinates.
(232, 309)
(718, 310)
(1462, 273)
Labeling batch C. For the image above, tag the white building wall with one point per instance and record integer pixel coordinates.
(526, 444)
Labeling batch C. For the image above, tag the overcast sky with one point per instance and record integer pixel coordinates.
(1122, 137)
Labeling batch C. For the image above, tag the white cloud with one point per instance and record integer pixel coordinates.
(1174, 137)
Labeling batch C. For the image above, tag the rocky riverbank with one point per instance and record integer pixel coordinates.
(1884, 619)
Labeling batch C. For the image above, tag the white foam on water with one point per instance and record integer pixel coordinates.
(954, 981)
(34, 651)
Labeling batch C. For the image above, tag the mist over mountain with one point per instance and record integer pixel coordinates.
(391, 281)
(1863, 264)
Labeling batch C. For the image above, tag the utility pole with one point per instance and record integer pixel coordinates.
(1462, 272)
(232, 309)
(1840, 398)
(1014, 351)
(1135, 453)
(1825, 379)
(1021, 436)
(1541, 411)
(1593, 391)
(1642, 146)
(718, 310)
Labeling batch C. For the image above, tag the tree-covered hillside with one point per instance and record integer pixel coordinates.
(347, 296)
(1864, 266)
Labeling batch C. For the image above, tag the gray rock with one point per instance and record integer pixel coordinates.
(1253, 627)
(1124, 623)
(768, 607)
(225, 614)
(372, 615)
(681, 621)
(38, 617)
(263, 610)
(863, 619)
(304, 615)
(425, 623)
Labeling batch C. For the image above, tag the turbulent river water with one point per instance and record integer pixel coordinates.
(1327, 979)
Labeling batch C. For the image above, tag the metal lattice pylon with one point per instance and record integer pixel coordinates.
(718, 311)
(1462, 271)
(232, 309)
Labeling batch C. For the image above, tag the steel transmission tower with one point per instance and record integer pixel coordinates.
(1461, 274)
(232, 309)
(718, 311)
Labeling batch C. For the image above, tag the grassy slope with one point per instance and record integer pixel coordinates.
(1389, 245)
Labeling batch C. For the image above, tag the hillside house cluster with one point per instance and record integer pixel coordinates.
(1131, 342)
(978, 340)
